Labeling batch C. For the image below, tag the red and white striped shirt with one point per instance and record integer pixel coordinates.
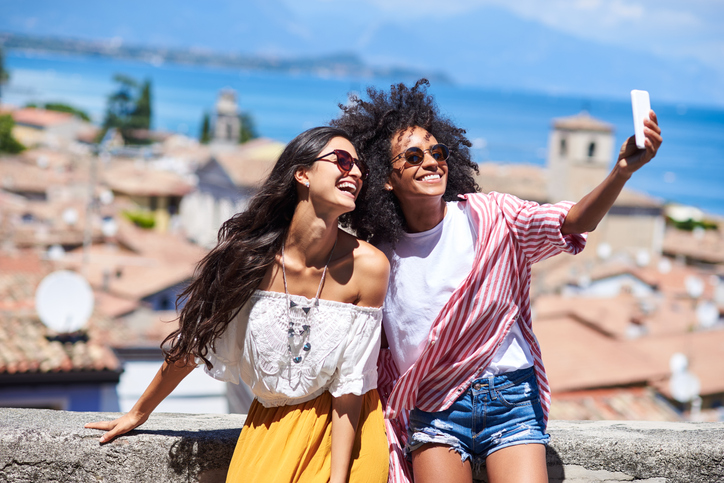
(511, 235)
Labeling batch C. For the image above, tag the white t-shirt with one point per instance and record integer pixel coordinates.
(426, 268)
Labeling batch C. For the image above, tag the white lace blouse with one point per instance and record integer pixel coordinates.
(344, 342)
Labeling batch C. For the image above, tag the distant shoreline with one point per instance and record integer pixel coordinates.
(343, 64)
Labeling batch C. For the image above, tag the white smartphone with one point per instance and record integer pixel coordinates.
(641, 105)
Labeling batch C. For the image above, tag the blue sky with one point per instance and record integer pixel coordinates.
(597, 47)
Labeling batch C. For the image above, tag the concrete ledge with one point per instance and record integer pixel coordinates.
(42, 445)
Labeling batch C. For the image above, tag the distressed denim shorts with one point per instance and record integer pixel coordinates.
(492, 414)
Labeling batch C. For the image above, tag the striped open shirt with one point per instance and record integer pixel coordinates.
(510, 235)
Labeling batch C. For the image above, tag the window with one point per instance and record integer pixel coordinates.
(591, 150)
(564, 148)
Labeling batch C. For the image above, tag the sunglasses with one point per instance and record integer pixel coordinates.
(415, 155)
(345, 162)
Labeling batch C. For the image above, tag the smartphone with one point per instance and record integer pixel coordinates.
(641, 105)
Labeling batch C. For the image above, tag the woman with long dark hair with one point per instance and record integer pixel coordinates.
(463, 379)
(290, 304)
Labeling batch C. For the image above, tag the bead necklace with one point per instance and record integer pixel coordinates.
(298, 340)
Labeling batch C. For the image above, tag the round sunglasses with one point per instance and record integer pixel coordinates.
(415, 155)
(345, 162)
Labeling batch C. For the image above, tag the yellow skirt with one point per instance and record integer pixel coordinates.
(293, 444)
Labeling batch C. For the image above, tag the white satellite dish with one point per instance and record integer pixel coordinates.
(64, 301)
(684, 385)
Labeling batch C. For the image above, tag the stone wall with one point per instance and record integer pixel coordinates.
(42, 445)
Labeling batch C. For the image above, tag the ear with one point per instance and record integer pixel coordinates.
(388, 186)
(301, 176)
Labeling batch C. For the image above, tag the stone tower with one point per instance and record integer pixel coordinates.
(227, 128)
(580, 150)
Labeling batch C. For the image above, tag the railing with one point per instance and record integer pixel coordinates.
(42, 445)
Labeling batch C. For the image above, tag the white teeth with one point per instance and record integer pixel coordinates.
(346, 185)
(430, 177)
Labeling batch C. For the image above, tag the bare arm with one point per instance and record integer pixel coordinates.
(345, 417)
(585, 215)
(167, 378)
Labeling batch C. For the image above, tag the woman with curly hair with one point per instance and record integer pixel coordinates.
(462, 357)
(290, 304)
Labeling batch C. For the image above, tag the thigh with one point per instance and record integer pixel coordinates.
(437, 463)
(524, 463)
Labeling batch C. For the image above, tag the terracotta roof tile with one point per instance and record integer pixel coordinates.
(127, 178)
(582, 121)
(631, 404)
(249, 164)
(40, 117)
(578, 357)
(704, 349)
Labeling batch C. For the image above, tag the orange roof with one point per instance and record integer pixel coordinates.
(704, 349)
(127, 178)
(24, 348)
(250, 164)
(40, 117)
(582, 122)
(578, 357)
(620, 404)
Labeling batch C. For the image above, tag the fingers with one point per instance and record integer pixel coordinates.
(104, 425)
(115, 428)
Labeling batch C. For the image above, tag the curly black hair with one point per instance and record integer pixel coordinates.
(371, 126)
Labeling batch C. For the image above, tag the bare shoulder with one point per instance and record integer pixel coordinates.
(370, 273)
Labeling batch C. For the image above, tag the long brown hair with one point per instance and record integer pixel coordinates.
(247, 246)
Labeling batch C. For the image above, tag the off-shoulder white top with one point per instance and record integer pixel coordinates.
(344, 340)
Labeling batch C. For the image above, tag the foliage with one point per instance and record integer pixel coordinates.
(205, 136)
(141, 218)
(4, 74)
(8, 144)
(690, 225)
(60, 107)
(129, 108)
(248, 128)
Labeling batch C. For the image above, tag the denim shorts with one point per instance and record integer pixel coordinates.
(492, 414)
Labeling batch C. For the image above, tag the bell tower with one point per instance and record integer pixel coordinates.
(580, 150)
(227, 128)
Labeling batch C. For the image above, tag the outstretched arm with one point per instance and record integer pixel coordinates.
(165, 381)
(585, 215)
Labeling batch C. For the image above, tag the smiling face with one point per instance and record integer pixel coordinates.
(412, 183)
(328, 187)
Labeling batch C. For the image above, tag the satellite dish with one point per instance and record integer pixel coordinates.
(604, 251)
(64, 301)
(707, 314)
(684, 385)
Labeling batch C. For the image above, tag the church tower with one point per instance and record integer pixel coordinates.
(580, 150)
(227, 128)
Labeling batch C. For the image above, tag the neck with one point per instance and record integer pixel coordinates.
(310, 238)
(423, 215)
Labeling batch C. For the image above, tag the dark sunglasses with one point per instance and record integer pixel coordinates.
(345, 162)
(415, 155)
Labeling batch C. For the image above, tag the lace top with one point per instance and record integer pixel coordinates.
(342, 358)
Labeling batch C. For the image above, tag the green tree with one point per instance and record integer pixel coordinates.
(205, 136)
(141, 116)
(4, 74)
(129, 107)
(248, 128)
(8, 144)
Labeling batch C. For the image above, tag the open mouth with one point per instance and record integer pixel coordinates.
(430, 177)
(347, 187)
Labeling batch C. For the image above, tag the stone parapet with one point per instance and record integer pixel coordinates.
(43, 445)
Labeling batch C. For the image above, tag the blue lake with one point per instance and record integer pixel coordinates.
(504, 126)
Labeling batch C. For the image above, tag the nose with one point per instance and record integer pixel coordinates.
(428, 160)
(355, 171)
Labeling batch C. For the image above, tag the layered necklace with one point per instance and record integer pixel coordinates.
(298, 315)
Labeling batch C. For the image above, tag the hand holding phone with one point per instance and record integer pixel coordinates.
(641, 105)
